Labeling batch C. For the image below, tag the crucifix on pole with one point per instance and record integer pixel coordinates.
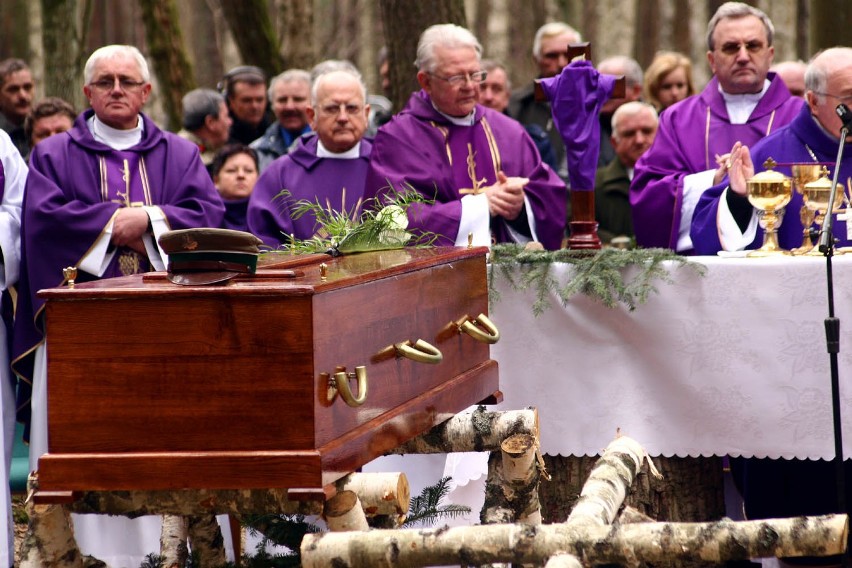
(575, 96)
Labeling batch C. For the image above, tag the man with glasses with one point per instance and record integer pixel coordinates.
(725, 220)
(550, 53)
(327, 166)
(97, 198)
(743, 102)
(479, 168)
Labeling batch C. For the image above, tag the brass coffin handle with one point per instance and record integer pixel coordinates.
(485, 331)
(341, 382)
(421, 352)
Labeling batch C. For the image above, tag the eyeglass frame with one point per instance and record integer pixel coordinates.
(105, 85)
(847, 100)
(733, 48)
(326, 109)
(462, 78)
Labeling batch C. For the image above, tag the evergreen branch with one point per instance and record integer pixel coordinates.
(609, 276)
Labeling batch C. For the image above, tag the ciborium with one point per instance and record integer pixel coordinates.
(803, 174)
(769, 192)
(816, 195)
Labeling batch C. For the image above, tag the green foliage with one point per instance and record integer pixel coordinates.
(601, 275)
(366, 226)
(427, 508)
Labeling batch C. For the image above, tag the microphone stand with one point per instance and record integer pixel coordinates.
(832, 323)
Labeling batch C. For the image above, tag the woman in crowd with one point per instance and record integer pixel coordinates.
(668, 80)
(234, 171)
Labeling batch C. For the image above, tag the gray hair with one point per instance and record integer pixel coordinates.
(550, 30)
(630, 109)
(633, 74)
(288, 76)
(822, 65)
(111, 52)
(738, 10)
(198, 104)
(489, 65)
(445, 35)
(9, 66)
(322, 70)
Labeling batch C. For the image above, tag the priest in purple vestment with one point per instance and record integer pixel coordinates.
(479, 168)
(97, 198)
(725, 220)
(742, 103)
(328, 166)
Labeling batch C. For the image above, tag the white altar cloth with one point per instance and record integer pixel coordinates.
(734, 362)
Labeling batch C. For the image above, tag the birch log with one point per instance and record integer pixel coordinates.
(343, 512)
(476, 431)
(604, 491)
(511, 488)
(626, 545)
(173, 535)
(205, 540)
(379, 493)
(49, 540)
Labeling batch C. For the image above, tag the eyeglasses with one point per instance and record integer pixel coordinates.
(847, 100)
(335, 109)
(733, 48)
(457, 80)
(107, 84)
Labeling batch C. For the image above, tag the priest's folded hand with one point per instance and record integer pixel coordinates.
(506, 197)
(741, 169)
(129, 225)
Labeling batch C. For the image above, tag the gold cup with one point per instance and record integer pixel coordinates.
(804, 174)
(817, 194)
(769, 192)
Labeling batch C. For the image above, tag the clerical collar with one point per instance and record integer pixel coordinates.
(740, 107)
(114, 138)
(458, 120)
(351, 154)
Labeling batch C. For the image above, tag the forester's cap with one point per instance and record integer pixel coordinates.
(209, 256)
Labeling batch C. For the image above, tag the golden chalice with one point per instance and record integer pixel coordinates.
(816, 195)
(769, 192)
(802, 174)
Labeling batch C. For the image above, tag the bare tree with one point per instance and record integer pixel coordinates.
(165, 46)
(297, 24)
(252, 28)
(62, 40)
(404, 21)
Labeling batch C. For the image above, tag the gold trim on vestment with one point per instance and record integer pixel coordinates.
(769, 126)
(492, 145)
(707, 142)
(446, 133)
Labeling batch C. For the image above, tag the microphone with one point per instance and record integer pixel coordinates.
(826, 239)
(845, 115)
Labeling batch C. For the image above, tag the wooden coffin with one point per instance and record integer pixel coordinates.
(157, 386)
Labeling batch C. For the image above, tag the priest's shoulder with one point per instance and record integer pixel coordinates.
(503, 122)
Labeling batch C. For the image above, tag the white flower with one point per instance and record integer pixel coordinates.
(395, 216)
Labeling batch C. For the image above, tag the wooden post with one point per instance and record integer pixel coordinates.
(583, 228)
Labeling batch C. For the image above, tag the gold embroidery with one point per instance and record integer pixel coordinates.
(478, 184)
(492, 146)
(446, 133)
(769, 126)
(129, 262)
(707, 142)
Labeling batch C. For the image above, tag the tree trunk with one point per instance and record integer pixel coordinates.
(205, 540)
(831, 21)
(252, 29)
(201, 37)
(165, 45)
(61, 40)
(299, 42)
(404, 22)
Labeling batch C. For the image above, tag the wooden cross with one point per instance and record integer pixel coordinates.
(583, 228)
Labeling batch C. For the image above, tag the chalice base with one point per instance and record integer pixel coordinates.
(770, 247)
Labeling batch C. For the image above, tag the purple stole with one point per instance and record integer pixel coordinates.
(124, 180)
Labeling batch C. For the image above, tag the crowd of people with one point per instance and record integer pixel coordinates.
(490, 161)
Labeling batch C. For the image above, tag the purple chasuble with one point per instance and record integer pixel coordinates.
(691, 133)
(801, 141)
(74, 187)
(420, 149)
(334, 182)
(576, 96)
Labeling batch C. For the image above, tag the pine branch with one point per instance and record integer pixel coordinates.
(603, 276)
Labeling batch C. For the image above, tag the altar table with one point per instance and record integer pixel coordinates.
(732, 362)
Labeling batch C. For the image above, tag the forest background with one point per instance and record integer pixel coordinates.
(192, 43)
